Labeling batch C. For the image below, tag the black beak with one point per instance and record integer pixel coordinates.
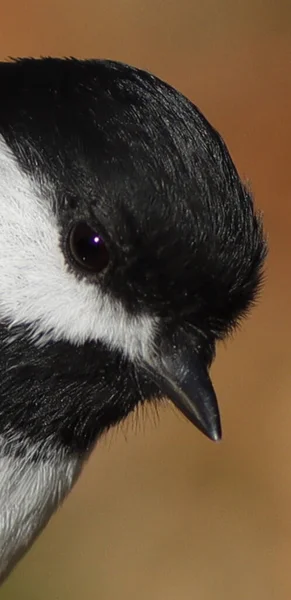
(181, 374)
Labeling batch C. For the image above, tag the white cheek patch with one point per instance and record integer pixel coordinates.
(38, 290)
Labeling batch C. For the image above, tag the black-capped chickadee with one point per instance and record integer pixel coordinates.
(129, 247)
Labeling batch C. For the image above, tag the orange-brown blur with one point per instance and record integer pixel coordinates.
(160, 512)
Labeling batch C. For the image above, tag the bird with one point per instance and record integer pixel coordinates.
(130, 247)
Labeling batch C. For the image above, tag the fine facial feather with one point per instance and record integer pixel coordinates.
(37, 288)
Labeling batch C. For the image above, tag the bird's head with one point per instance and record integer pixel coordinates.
(129, 246)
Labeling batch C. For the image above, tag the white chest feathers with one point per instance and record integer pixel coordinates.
(30, 491)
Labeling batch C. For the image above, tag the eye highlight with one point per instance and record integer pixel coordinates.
(87, 248)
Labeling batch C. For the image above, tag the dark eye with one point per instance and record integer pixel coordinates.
(88, 248)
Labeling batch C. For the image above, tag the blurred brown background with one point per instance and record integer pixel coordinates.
(160, 512)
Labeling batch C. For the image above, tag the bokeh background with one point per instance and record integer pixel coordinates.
(160, 512)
